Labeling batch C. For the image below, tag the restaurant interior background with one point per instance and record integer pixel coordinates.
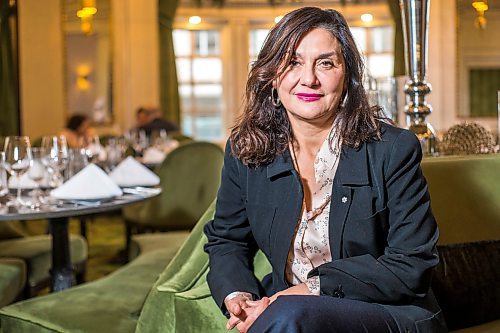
(111, 70)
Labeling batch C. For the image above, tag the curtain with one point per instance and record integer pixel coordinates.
(9, 115)
(399, 52)
(169, 93)
(484, 85)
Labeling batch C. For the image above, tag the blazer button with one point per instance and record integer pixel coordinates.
(338, 292)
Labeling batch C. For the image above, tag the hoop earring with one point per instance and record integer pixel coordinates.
(275, 100)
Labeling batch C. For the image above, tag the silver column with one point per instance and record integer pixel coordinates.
(415, 16)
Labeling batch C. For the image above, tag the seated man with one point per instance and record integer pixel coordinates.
(149, 119)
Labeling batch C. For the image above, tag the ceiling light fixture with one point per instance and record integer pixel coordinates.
(481, 7)
(194, 20)
(367, 18)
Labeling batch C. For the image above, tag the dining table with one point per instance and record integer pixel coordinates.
(58, 213)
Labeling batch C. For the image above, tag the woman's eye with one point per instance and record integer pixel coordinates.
(326, 64)
(293, 63)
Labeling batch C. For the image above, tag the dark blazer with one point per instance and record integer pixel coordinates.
(382, 232)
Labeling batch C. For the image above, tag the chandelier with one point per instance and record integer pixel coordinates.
(86, 14)
(481, 7)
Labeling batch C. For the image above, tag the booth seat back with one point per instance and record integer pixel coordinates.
(465, 198)
(465, 194)
(180, 300)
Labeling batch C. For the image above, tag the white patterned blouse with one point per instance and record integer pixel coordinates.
(311, 247)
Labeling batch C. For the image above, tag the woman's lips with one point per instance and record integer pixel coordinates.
(308, 97)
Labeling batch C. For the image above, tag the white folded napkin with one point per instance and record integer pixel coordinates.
(132, 173)
(91, 183)
(153, 155)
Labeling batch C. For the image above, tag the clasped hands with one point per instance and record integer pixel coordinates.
(244, 311)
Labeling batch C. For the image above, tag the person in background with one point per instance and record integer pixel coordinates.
(149, 119)
(330, 193)
(78, 131)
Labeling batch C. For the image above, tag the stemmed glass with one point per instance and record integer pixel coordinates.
(93, 148)
(17, 160)
(4, 186)
(37, 173)
(55, 157)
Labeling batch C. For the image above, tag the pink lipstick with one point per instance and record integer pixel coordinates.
(308, 97)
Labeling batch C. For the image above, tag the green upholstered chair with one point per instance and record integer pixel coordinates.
(110, 304)
(36, 252)
(189, 178)
(12, 279)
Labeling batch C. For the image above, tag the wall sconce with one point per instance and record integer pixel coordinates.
(82, 79)
(86, 14)
(481, 7)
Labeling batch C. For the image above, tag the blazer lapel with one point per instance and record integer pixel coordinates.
(352, 171)
(288, 210)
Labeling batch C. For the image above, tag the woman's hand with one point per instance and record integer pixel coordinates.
(236, 308)
(244, 311)
(252, 312)
(300, 289)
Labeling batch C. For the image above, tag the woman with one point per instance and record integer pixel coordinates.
(78, 131)
(332, 196)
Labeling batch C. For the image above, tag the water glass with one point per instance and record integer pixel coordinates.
(37, 172)
(55, 158)
(17, 161)
(93, 148)
(4, 187)
(114, 154)
(78, 159)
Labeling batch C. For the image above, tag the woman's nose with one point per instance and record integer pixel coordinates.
(308, 76)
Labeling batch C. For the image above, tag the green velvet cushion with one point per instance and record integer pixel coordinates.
(37, 252)
(180, 300)
(184, 270)
(11, 229)
(145, 243)
(465, 197)
(467, 283)
(110, 304)
(12, 279)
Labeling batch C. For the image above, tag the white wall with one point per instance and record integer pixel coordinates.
(442, 73)
(476, 49)
(135, 57)
(41, 67)
(41, 61)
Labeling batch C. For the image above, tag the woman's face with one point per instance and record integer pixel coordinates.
(312, 85)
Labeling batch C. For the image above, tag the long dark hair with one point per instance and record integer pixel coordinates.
(263, 131)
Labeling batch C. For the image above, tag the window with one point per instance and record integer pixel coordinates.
(257, 38)
(212, 91)
(376, 44)
(199, 72)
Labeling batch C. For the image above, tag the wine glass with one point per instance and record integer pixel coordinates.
(114, 154)
(37, 173)
(93, 148)
(4, 187)
(17, 160)
(55, 157)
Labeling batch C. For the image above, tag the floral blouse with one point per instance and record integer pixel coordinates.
(311, 247)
